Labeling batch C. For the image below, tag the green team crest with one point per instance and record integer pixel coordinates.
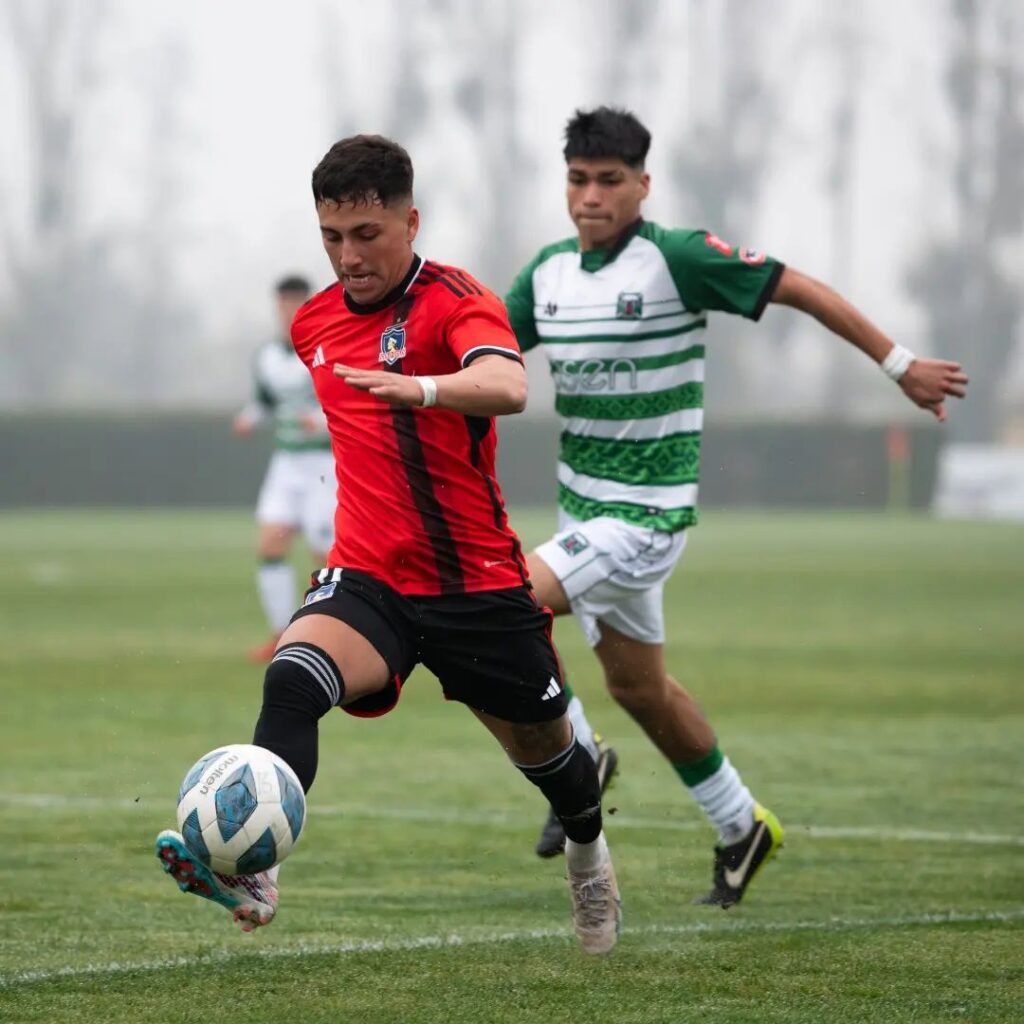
(573, 543)
(630, 306)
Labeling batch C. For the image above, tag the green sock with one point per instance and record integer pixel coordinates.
(717, 787)
(695, 772)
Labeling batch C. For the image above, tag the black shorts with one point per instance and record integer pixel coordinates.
(490, 650)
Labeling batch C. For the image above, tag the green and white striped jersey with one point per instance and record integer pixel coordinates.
(623, 331)
(283, 389)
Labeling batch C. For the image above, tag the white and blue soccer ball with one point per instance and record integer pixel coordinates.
(240, 809)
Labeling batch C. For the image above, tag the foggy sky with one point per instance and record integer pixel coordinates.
(258, 91)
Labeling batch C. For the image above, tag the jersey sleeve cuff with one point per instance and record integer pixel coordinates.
(767, 291)
(489, 350)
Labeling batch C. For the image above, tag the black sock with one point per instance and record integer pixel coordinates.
(569, 781)
(301, 685)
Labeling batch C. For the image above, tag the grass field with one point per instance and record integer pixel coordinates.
(865, 673)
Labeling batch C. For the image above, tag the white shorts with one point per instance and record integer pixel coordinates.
(614, 572)
(300, 491)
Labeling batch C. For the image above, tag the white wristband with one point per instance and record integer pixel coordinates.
(897, 362)
(429, 386)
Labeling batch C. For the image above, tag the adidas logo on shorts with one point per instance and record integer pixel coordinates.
(553, 689)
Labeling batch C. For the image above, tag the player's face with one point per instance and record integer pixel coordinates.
(604, 198)
(369, 244)
(288, 304)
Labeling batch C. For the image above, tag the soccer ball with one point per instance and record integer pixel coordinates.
(240, 809)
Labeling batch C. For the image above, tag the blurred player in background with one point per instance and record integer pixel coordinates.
(299, 489)
(411, 361)
(619, 311)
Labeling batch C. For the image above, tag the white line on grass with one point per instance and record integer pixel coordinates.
(905, 835)
(226, 956)
(439, 816)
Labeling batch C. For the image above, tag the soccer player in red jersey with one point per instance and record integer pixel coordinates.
(411, 360)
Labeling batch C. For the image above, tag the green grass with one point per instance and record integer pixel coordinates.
(863, 672)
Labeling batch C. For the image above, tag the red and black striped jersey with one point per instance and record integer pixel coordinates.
(418, 503)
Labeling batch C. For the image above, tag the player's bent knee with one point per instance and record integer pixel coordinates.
(300, 686)
(534, 742)
(636, 692)
(364, 669)
(302, 675)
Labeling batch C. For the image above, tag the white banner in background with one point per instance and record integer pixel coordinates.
(980, 481)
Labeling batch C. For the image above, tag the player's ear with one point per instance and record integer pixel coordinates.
(412, 224)
(645, 185)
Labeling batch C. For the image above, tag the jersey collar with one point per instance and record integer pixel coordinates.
(392, 296)
(594, 259)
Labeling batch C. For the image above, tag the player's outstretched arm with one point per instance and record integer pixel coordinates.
(491, 385)
(926, 382)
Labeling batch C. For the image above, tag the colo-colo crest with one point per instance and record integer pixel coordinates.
(392, 346)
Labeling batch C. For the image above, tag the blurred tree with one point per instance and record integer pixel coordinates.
(965, 280)
(488, 98)
(165, 343)
(720, 159)
(632, 35)
(89, 309)
(846, 45)
(341, 62)
(51, 45)
(453, 78)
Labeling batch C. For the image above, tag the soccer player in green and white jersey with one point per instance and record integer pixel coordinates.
(299, 490)
(620, 312)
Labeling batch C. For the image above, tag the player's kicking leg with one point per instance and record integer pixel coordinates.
(251, 899)
(320, 663)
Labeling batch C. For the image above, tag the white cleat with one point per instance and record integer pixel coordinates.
(252, 899)
(596, 907)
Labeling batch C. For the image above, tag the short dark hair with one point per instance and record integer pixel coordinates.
(607, 133)
(363, 168)
(292, 284)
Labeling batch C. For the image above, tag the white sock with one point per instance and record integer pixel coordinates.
(276, 582)
(727, 802)
(581, 726)
(581, 858)
(272, 873)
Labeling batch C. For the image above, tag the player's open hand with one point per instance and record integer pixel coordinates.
(389, 387)
(928, 382)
